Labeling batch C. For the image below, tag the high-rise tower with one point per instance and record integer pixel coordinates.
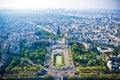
(58, 31)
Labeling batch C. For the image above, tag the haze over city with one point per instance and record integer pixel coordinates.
(68, 4)
(59, 40)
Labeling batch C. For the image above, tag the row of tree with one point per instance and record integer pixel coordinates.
(94, 76)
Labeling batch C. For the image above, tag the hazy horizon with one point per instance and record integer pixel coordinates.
(57, 4)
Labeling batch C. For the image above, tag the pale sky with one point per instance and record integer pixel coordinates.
(68, 4)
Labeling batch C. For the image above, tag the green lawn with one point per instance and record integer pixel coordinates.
(58, 60)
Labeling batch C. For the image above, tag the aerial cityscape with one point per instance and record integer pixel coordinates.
(62, 43)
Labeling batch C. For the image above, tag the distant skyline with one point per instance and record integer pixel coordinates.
(55, 4)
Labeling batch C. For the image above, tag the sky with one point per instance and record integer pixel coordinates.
(54, 4)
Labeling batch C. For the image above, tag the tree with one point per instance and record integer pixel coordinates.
(71, 77)
(14, 62)
(22, 62)
(91, 63)
(75, 48)
(1, 53)
(119, 51)
(47, 77)
(26, 53)
(25, 68)
(46, 43)
(38, 61)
